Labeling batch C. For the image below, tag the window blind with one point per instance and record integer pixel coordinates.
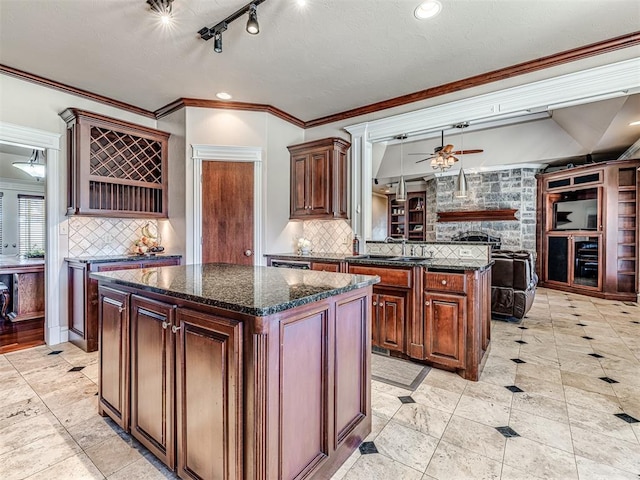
(31, 223)
(1, 223)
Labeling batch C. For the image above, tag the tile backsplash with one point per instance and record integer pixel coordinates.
(91, 236)
(449, 251)
(328, 236)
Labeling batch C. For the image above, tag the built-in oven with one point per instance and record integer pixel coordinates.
(298, 264)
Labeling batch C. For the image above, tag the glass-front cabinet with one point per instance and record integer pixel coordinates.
(587, 229)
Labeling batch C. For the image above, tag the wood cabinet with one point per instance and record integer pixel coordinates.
(83, 294)
(208, 396)
(441, 317)
(407, 219)
(319, 179)
(116, 168)
(457, 319)
(587, 229)
(217, 394)
(113, 373)
(392, 305)
(389, 319)
(152, 373)
(326, 266)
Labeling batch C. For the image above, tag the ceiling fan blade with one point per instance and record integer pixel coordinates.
(467, 152)
(447, 149)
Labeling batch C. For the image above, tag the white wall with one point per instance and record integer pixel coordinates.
(254, 129)
(34, 106)
(10, 189)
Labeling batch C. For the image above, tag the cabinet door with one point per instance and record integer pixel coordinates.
(113, 390)
(319, 198)
(445, 324)
(152, 377)
(299, 188)
(208, 396)
(391, 320)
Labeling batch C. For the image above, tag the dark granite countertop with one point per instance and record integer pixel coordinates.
(251, 290)
(318, 257)
(428, 263)
(121, 258)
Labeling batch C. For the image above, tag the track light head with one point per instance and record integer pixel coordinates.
(252, 24)
(217, 42)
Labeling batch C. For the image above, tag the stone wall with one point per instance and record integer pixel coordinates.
(514, 188)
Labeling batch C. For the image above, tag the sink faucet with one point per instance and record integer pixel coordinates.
(402, 240)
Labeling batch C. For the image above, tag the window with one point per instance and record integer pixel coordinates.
(31, 225)
(1, 223)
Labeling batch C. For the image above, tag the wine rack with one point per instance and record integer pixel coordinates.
(116, 168)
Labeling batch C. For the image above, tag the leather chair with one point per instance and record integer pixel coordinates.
(513, 284)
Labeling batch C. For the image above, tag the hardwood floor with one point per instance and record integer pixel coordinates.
(19, 335)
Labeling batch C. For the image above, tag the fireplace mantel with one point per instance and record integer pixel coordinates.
(478, 215)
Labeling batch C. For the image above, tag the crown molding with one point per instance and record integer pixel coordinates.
(226, 105)
(567, 56)
(580, 53)
(45, 82)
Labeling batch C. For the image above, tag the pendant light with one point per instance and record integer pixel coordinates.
(33, 167)
(462, 179)
(401, 192)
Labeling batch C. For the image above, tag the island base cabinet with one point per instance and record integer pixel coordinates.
(445, 321)
(113, 373)
(208, 396)
(152, 377)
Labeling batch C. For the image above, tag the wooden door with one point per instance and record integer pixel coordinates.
(113, 392)
(227, 212)
(299, 187)
(319, 184)
(152, 377)
(208, 396)
(445, 323)
(391, 319)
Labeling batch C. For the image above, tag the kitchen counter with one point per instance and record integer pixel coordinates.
(317, 257)
(429, 264)
(12, 262)
(238, 372)
(250, 290)
(121, 258)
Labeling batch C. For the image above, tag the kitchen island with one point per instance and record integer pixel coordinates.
(229, 371)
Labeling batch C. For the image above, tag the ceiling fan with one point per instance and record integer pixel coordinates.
(444, 156)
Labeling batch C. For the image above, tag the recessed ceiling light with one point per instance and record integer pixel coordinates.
(633, 124)
(223, 96)
(428, 9)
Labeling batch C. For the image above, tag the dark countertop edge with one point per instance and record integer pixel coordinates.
(439, 242)
(322, 257)
(120, 258)
(427, 264)
(256, 312)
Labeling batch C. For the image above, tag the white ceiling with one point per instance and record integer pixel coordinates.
(328, 57)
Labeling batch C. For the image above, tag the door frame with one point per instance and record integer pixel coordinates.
(225, 153)
(18, 135)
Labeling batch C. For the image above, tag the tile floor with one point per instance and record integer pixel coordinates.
(558, 399)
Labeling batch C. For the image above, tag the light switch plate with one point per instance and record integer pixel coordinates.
(63, 227)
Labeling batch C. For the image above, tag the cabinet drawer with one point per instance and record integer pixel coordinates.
(119, 266)
(326, 266)
(447, 282)
(394, 277)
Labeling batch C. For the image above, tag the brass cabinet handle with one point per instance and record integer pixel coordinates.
(382, 304)
(427, 303)
(165, 325)
(444, 282)
(375, 304)
(174, 329)
(120, 309)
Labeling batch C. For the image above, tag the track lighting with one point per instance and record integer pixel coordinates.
(252, 24)
(163, 8)
(215, 32)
